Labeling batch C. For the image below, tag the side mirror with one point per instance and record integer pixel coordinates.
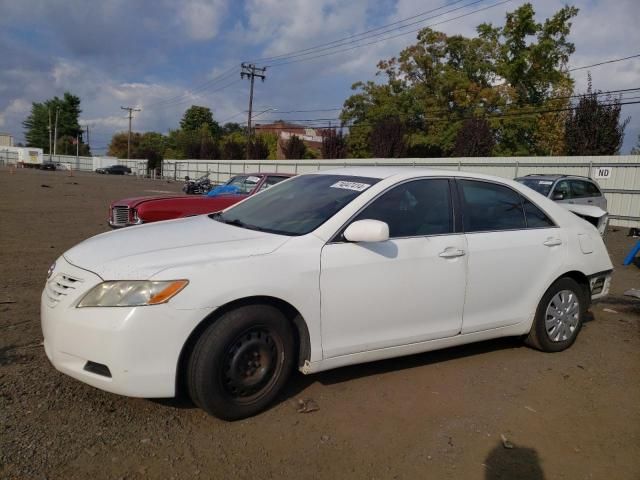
(367, 231)
(558, 196)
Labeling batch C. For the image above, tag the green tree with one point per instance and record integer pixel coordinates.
(435, 85)
(594, 126)
(233, 146)
(636, 150)
(294, 148)
(334, 144)
(37, 124)
(388, 138)
(474, 139)
(118, 145)
(151, 147)
(196, 116)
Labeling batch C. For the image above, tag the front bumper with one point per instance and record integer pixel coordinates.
(140, 346)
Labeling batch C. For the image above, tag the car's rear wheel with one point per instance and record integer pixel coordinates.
(241, 362)
(559, 316)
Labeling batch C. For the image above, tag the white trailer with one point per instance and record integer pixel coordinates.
(22, 156)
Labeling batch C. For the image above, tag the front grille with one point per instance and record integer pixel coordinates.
(59, 287)
(119, 216)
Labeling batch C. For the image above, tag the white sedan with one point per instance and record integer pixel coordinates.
(320, 271)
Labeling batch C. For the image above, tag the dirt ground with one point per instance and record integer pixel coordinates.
(570, 415)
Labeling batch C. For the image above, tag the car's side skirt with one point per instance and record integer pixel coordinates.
(414, 348)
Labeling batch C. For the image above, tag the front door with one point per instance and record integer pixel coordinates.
(408, 289)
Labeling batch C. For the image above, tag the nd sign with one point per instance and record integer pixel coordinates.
(602, 172)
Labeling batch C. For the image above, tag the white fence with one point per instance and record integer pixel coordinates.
(621, 187)
(82, 164)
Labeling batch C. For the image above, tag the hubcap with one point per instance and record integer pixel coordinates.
(250, 364)
(562, 316)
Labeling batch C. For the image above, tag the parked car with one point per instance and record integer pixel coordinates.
(581, 195)
(137, 210)
(114, 170)
(47, 166)
(324, 270)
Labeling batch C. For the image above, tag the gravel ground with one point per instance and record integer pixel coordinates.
(443, 414)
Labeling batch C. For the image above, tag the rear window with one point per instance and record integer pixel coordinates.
(541, 186)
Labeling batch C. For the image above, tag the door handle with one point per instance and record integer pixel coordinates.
(552, 242)
(589, 201)
(452, 253)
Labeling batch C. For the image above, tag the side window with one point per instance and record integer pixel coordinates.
(563, 189)
(578, 189)
(536, 218)
(592, 189)
(271, 181)
(416, 208)
(488, 207)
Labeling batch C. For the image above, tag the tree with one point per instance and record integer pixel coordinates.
(118, 145)
(388, 138)
(436, 84)
(233, 146)
(294, 148)
(195, 117)
(334, 144)
(151, 147)
(474, 139)
(258, 148)
(636, 150)
(594, 126)
(37, 124)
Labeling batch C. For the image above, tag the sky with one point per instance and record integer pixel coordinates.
(163, 56)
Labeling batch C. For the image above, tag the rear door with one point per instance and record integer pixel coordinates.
(513, 248)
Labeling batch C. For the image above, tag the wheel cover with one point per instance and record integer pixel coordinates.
(562, 316)
(251, 364)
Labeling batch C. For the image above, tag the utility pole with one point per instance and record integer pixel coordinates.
(130, 110)
(49, 128)
(55, 132)
(88, 143)
(250, 71)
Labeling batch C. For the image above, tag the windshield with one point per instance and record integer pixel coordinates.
(540, 185)
(297, 206)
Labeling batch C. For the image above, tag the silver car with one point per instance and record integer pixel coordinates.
(566, 189)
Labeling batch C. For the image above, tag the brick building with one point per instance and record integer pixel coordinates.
(312, 137)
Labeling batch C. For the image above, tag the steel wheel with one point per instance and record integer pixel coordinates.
(251, 364)
(562, 316)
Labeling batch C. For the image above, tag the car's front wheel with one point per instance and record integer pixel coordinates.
(241, 362)
(559, 316)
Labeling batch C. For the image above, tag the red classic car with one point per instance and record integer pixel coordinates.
(137, 210)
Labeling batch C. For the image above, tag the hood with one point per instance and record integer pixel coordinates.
(142, 251)
(135, 201)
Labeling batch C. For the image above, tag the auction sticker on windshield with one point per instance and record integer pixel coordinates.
(358, 187)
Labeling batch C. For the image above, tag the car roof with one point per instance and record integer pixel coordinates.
(402, 172)
(552, 176)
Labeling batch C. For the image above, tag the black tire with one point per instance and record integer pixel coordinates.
(241, 362)
(549, 337)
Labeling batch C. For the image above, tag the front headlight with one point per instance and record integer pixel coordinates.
(131, 293)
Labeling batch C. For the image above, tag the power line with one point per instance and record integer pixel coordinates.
(605, 62)
(335, 52)
(352, 38)
(181, 98)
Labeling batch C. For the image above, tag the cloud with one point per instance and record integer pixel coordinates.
(165, 55)
(200, 18)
